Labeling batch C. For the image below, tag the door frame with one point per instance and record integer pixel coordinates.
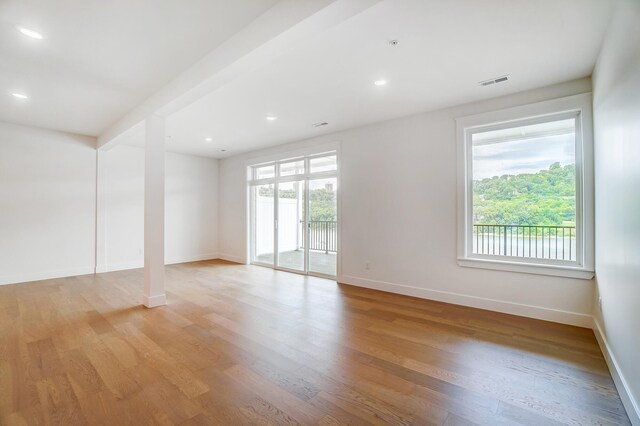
(252, 183)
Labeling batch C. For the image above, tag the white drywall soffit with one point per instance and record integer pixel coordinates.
(99, 59)
(444, 50)
(287, 25)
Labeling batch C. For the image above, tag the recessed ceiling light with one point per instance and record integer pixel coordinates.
(380, 82)
(223, 150)
(20, 96)
(271, 117)
(208, 139)
(30, 33)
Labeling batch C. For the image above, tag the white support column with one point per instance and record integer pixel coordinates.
(101, 193)
(154, 294)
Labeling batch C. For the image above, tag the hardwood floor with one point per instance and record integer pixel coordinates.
(248, 345)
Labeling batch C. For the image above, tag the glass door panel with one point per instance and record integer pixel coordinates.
(323, 226)
(263, 224)
(291, 211)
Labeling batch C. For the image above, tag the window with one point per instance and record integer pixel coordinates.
(525, 180)
(265, 172)
(323, 164)
(292, 168)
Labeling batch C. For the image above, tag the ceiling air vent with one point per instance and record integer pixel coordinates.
(494, 80)
(324, 123)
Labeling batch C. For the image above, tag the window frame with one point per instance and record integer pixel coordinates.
(578, 107)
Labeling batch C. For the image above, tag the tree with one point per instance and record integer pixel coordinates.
(322, 204)
(543, 198)
(322, 201)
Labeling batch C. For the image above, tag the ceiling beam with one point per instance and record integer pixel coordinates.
(288, 24)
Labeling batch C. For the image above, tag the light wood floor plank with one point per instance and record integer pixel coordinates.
(241, 344)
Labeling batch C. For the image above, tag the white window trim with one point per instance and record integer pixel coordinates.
(583, 267)
(310, 151)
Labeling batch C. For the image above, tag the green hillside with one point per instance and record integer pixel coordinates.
(543, 198)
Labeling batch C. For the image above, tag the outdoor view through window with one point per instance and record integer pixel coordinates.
(524, 191)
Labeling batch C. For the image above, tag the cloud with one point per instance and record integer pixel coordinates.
(522, 156)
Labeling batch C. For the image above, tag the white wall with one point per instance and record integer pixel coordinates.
(410, 163)
(47, 204)
(617, 152)
(191, 208)
(123, 208)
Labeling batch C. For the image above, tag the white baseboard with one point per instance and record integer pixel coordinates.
(630, 403)
(530, 311)
(232, 258)
(45, 275)
(140, 263)
(154, 301)
(193, 258)
(113, 267)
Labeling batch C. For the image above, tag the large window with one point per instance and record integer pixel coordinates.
(525, 189)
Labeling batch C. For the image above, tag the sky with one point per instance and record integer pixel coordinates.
(522, 156)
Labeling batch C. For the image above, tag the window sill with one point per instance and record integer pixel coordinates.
(528, 268)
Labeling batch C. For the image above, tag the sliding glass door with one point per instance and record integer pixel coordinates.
(291, 212)
(294, 214)
(263, 223)
(323, 225)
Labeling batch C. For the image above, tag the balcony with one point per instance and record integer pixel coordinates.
(323, 247)
(534, 242)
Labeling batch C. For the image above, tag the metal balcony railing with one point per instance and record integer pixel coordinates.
(537, 242)
(323, 235)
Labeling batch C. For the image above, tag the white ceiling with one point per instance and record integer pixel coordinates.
(445, 49)
(101, 58)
